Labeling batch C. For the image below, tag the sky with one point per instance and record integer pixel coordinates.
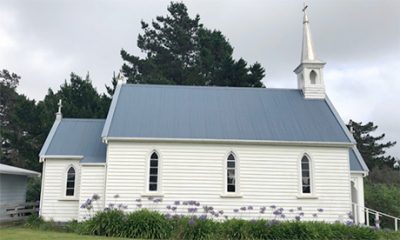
(44, 41)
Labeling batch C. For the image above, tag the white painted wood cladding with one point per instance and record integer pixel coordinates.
(268, 176)
(55, 205)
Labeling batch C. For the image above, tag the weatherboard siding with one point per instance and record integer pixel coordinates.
(12, 189)
(269, 175)
(358, 180)
(92, 182)
(55, 206)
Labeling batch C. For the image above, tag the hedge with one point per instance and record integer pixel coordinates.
(145, 224)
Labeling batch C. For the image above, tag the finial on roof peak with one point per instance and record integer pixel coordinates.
(59, 114)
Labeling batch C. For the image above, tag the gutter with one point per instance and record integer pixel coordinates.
(230, 141)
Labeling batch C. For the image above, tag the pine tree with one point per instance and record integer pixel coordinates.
(180, 50)
(371, 147)
(114, 82)
(19, 121)
(8, 84)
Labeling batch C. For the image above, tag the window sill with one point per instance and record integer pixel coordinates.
(231, 195)
(68, 199)
(304, 196)
(150, 194)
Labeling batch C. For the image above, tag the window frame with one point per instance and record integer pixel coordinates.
(76, 182)
(312, 193)
(225, 192)
(158, 192)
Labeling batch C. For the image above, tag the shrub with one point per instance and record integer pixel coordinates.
(388, 235)
(108, 223)
(196, 228)
(36, 222)
(235, 229)
(33, 189)
(383, 198)
(147, 225)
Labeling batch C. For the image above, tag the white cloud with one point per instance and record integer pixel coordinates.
(368, 93)
(7, 24)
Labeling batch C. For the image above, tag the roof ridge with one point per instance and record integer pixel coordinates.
(208, 87)
(84, 119)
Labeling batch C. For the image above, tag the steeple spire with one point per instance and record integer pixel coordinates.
(307, 52)
(309, 73)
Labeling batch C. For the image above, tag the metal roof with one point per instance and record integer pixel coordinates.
(217, 113)
(356, 161)
(222, 113)
(76, 137)
(7, 169)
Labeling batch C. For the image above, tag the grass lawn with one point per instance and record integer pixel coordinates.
(17, 233)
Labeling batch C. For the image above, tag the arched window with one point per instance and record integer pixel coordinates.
(70, 188)
(231, 173)
(153, 176)
(305, 175)
(313, 77)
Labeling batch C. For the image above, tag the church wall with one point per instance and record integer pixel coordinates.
(54, 204)
(92, 182)
(268, 175)
(358, 181)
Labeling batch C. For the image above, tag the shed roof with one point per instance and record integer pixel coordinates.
(76, 137)
(221, 113)
(7, 169)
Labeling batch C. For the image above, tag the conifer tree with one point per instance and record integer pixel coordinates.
(180, 50)
(371, 147)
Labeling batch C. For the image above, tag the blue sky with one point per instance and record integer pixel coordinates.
(43, 41)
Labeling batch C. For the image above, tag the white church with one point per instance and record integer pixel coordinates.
(224, 147)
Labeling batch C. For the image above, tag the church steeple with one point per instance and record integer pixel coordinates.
(309, 72)
(307, 52)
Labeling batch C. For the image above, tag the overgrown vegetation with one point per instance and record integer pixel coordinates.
(145, 224)
(385, 198)
(382, 186)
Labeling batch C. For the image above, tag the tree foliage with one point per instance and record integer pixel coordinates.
(18, 119)
(371, 147)
(180, 50)
(25, 124)
(385, 198)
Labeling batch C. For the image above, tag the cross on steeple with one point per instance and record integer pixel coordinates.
(305, 7)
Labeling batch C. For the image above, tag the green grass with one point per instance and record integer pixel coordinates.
(17, 233)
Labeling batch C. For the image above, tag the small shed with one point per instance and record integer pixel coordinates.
(13, 186)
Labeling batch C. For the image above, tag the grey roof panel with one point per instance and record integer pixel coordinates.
(79, 137)
(187, 112)
(356, 161)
